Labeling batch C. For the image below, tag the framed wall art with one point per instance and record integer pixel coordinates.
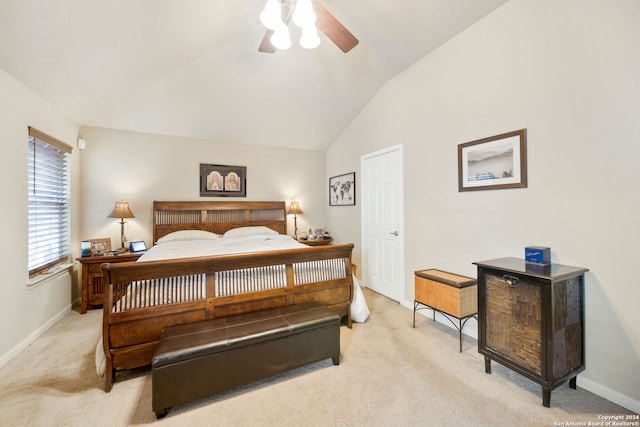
(342, 190)
(223, 181)
(493, 163)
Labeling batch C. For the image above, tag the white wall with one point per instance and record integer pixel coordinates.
(568, 72)
(26, 312)
(141, 168)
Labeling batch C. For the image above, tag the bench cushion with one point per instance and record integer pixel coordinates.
(199, 339)
(203, 358)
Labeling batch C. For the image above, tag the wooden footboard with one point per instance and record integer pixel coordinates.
(142, 298)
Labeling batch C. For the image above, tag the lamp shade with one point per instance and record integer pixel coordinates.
(121, 211)
(309, 39)
(271, 16)
(294, 208)
(303, 15)
(280, 38)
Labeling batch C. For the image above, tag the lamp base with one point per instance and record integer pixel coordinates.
(123, 239)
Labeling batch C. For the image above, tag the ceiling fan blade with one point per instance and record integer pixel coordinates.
(266, 46)
(332, 28)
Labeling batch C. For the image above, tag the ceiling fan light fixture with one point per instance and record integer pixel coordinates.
(303, 15)
(280, 38)
(271, 16)
(309, 38)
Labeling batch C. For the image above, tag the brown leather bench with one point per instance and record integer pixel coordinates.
(199, 359)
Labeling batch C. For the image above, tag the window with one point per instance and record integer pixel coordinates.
(49, 200)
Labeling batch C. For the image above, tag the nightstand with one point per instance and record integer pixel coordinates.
(317, 242)
(92, 289)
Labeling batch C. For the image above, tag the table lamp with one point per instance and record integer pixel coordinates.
(122, 211)
(294, 208)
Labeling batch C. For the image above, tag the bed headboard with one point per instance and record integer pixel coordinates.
(216, 217)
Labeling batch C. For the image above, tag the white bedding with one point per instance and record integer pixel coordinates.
(223, 246)
(240, 241)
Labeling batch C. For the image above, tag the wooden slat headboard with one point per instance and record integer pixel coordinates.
(216, 217)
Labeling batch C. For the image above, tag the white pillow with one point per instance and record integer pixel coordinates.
(189, 235)
(254, 230)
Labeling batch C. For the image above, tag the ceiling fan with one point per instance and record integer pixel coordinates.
(325, 22)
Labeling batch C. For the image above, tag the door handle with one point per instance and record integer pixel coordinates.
(395, 233)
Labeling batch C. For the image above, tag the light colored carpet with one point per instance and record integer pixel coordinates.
(390, 374)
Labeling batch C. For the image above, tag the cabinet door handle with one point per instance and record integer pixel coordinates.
(511, 281)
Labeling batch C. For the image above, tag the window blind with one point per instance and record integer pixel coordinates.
(49, 200)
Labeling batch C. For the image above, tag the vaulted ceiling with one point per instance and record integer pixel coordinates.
(192, 68)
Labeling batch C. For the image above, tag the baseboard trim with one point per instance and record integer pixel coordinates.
(609, 394)
(5, 358)
(587, 384)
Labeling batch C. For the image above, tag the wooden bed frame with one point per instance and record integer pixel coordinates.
(131, 328)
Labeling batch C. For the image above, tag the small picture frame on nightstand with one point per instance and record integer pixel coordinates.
(100, 247)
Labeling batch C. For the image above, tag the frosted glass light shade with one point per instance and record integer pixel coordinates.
(271, 16)
(280, 38)
(303, 15)
(309, 39)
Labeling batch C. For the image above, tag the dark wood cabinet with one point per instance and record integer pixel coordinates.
(531, 320)
(92, 289)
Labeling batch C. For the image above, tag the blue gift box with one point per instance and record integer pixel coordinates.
(537, 254)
